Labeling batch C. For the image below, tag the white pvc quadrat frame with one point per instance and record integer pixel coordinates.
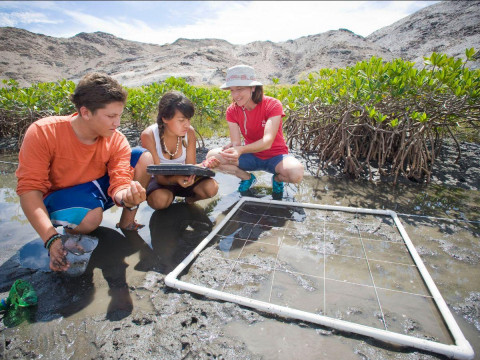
(461, 350)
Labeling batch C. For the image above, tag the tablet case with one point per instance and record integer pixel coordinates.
(179, 169)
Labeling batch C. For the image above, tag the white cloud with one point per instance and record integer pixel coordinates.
(244, 22)
(234, 21)
(120, 28)
(24, 17)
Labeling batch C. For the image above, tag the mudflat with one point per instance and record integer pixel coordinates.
(121, 307)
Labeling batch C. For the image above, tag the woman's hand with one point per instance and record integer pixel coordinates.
(229, 145)
(231, 154)
(211, 162)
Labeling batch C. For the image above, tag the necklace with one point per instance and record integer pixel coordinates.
(176, 149)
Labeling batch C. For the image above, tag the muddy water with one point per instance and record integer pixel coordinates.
(120, 307)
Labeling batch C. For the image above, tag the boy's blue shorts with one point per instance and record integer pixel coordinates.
(67, 207)
(249, 162)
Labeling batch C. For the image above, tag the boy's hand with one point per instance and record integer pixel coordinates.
(58, 256)
(134, 195)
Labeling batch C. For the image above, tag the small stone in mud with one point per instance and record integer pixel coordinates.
(410, 325)
(324, 332)
(144, 320)
(470, 309)
(354, 311)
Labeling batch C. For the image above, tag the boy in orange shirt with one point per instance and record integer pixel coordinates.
(72, 168)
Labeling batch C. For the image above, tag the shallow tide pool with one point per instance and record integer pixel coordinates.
(122, 297)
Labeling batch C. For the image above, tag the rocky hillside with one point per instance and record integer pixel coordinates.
(449, 27)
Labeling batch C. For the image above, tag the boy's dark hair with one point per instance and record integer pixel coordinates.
(257, 94)
(96, 90)
(172, 101)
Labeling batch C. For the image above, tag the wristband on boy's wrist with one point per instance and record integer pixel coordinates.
(50, 241)
(122, 203)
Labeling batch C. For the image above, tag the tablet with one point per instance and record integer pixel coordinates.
(179, 169)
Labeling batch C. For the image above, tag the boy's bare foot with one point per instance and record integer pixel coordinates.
(130, 227)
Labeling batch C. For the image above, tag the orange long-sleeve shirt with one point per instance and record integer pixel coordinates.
(53, 158)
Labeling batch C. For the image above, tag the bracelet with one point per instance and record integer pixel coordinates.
(50, 241)
(122, 203)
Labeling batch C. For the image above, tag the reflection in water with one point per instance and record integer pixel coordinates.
(225, 243)
(343, 287)
(175, 232)
(70, 295)
(449, 249)
(109, 256)
(34, 256)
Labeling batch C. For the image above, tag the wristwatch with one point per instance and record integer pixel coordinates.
(122, 203)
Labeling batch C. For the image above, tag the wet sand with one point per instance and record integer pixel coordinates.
(121, 307)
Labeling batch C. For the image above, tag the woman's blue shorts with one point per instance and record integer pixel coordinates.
(249, 162)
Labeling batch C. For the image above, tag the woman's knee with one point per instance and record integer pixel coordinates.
(213, 152)
(159, 201)
(140, 172)
(296, 174)
(293, 173)
(206, 189)
(291, 169)
(218, 154)
(212, 188)
(145, 159)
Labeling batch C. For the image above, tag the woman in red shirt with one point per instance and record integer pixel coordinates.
(258, 118)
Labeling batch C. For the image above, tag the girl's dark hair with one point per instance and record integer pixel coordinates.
(96, 90)
(170, 102)
(257, 95)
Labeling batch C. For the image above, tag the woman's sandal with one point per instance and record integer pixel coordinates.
(131, 227)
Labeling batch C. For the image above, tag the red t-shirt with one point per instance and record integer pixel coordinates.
(256, 119)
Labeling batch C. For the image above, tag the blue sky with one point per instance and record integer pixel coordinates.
(238, 22)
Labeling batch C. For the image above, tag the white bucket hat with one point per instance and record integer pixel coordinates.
(240, 75)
